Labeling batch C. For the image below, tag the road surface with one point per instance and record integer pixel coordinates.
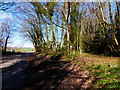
(21, 73)
(13, 70)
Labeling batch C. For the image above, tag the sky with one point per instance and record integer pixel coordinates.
(17, 38)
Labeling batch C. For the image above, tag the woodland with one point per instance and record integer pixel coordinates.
(84, 34)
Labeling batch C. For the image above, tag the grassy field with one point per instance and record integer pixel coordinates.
(105, 71)
(23, 49)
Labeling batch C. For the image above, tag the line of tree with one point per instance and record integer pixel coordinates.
(81, 26)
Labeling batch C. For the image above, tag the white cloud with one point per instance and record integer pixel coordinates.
(5, 15)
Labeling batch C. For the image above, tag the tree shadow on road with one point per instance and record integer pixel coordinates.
(48, 74)
(42, 73)
(12, 77)
(53, 74)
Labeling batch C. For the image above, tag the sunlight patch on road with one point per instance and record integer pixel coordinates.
(9, 63)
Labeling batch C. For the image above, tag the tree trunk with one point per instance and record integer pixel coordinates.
(6, 41)
(67, 8)
(62, 35)
(118, 21)
(80, 47)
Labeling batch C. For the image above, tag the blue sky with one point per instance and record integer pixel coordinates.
(17, 38)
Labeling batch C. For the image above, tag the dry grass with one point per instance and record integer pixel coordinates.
(98, 60)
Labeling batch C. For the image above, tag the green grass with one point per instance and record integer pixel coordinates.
(23, 50)
(105, 68)
(109, 77)
(27, 50)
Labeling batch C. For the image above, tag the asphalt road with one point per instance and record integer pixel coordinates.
(13, 70)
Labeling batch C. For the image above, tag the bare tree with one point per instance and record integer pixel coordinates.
(6, 33)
